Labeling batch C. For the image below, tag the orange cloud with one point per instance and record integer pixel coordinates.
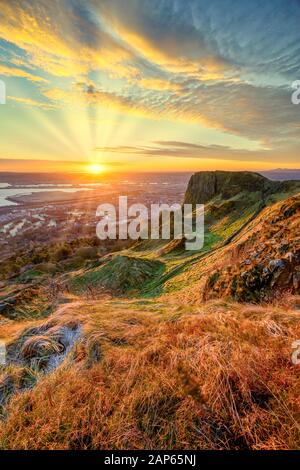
(16, 72)
(138, 106)
(31, 102)
(158, 84)
(169, 53)
(47, 34)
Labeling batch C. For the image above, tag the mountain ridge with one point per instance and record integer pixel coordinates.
(205, 185)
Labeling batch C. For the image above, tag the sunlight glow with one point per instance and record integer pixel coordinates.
(95, 168)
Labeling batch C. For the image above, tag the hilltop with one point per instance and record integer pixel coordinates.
(254, 254)
(207, 185)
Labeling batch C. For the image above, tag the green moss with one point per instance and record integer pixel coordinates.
(30, 275)
(119, 273)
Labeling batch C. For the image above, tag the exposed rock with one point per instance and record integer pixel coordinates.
(40, 347)
(269, 272)
(277, 264)
(206, 185)
(44, 346)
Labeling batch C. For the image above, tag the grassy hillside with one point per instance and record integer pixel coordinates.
(119, 274)
(259, 264)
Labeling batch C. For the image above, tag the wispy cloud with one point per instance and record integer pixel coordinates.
(175, 149)
(60, 37)
(18, 72)
(31, 102)
(264, 114)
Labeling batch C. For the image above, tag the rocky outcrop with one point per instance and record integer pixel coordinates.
(206, 185)
(265, 261)
(45, 346)
(36, 352)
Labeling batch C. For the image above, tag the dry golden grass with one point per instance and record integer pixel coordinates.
(163, 376)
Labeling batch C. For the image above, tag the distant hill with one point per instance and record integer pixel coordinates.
(252, 245)
(282, 174)
(232, 199)
(207, 185)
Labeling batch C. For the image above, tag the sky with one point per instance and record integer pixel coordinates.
(149, 85)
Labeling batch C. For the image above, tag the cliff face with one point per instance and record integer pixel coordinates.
(264, 260)
(256, 221)
(206, 185)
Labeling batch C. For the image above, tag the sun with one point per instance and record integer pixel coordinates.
(95, 168)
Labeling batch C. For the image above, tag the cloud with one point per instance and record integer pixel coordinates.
(174, 149)
(32, 103)
(164, 33)
(263, 114)
(59, 37)
(30, 165)
(223, 65)
(17, 72)
(255, 40)
(158, 84)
